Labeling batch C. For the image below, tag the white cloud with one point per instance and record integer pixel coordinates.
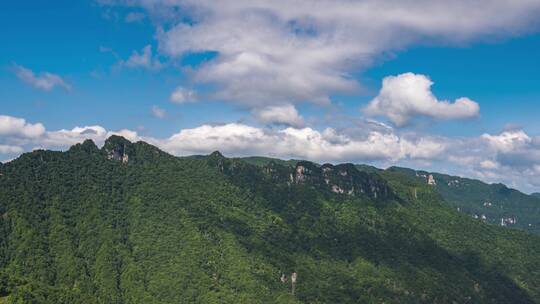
(143, 59)
(64, 138)
(511, 157)
(406, 96)
(17, 133)
(489, 164)
(18, 127)
(132, 136)
(305, 143)
(158, 112)
(279, 115)
(183, 95)
(275, 52)
(45, 81)
(508, 141)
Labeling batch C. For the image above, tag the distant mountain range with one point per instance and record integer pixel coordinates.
(129, 223)
(491, 203)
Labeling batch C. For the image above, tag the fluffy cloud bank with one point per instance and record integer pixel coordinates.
(45, 81)
(238, 139)
(304, 143)
(18, 135)
(19, 128)
(282, 51)
(512, 156)
(408, 95)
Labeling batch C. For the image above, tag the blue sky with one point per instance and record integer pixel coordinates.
(268, 79)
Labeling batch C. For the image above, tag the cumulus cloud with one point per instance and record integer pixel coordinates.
(406, 96)
(16, 135)
(304, 143)
(143, 59)
(183, 95)
(18, 127)
(241, 139)
(64, 138)
(515, 149)
(279, 115)
(44, 81)
(511, 157)
(508, 141)
(275, 52)
(158, 112)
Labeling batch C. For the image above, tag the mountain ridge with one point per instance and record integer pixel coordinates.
(86, 226)
(478, 204)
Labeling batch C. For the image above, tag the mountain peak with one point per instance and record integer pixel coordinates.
(116, 140)
(216, 154)
(87, 146)
(118, 148)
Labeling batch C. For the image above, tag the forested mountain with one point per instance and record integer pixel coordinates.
(491, 203)
(128, 223)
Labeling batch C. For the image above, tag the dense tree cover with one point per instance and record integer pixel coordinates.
(262, 161)
(92, 226)
(496, 202)
(492, 203)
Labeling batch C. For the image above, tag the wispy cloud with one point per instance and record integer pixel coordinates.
(143, 59)
(183, 95)
(8, 149)
(133, 17)
(44, 81)
(158, 112)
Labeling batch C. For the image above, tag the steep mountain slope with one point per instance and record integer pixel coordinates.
(130, 224)
(492, 203)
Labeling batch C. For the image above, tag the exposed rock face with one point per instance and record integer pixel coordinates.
(342, 179)
(224, 165)
(118, 154)
(431, 180)
(118, 148)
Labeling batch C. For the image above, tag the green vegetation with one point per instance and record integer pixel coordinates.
(262, 161)
(497, 203)
(131, 224)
